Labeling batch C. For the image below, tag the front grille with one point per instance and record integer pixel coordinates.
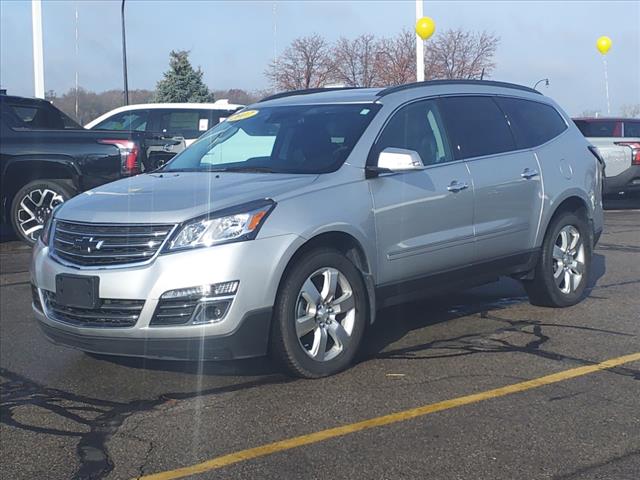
(174, 311)
(112, 313)
(95, 245)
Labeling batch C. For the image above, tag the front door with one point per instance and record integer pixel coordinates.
(424, 219)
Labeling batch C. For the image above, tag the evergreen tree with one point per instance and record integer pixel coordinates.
(182, 83)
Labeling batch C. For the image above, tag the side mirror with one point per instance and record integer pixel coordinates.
(393, 159)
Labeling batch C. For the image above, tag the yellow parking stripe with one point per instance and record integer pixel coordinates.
(295, 442)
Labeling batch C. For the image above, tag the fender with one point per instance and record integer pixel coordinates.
(550, 208)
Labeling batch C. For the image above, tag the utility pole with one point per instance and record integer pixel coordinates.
(124, 58)
(38, 58)
(419, 46)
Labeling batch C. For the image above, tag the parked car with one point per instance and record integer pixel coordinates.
(186, 120)
(285, 227)
(618, 142)
(46, 158)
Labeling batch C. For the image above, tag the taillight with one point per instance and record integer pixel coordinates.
(635, 151)
(128, 155)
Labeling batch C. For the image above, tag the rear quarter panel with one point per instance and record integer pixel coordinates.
(569, 169)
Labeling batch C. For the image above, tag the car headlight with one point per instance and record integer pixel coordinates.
(230, 225)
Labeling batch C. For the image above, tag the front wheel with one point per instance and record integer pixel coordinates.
(320, 315)
(562, 272)
(33, 204)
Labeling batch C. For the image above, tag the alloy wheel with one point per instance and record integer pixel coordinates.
(325, 314)
(35, 207)
(568, 259)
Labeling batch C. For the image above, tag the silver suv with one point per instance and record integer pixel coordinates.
(285, 227)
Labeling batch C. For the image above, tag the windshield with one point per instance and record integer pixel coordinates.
(288, 139)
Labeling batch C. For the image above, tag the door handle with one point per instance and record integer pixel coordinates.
(456, 187)
(528, 173)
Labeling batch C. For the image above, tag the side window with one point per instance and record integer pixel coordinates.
(417, 127)
(532, 123)
(476, 126)
(134, 120)
(185, 123)
(43, 116)
(632, 128)
(219, 115)
(599, 128)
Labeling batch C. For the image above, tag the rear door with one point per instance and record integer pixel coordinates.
(507, 184)
(424, 219)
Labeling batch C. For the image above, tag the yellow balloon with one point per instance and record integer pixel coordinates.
(603, 44)
(425, 27)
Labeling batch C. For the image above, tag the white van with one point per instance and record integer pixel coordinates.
(187, 120)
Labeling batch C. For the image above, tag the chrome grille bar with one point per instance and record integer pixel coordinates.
(113, 313)
(107, 245)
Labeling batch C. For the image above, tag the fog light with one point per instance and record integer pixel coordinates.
(203, 291)
(211, 312)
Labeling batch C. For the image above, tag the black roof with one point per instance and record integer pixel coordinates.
(389, 90)
(429, 83)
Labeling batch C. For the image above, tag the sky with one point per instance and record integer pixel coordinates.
(233, 41)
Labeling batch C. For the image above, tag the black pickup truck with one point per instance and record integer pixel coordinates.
(46, 158)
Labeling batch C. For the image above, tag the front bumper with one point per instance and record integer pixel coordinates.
(627, 181)
(249, 340)
(243, 332)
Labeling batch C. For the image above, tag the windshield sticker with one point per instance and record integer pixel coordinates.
(242, 115)
(364, 111)
(203, 124)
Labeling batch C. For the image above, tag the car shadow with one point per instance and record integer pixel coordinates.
(249, 367)
(392, 324)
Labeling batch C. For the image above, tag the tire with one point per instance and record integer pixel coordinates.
(560, 280)
(305, 294)
(33, 203)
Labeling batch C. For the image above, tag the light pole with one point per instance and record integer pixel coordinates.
(545, 80)
(419, 46)
(124, 58)
(38, 60)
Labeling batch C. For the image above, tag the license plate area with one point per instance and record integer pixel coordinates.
(79, 291)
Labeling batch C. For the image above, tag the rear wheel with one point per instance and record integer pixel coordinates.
(562, 271)
(320, 315)
(33, 204)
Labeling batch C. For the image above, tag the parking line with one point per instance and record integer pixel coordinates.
(295, 442)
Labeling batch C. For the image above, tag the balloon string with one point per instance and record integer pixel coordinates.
(606, 84)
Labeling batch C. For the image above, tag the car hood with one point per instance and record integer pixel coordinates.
(176, 197)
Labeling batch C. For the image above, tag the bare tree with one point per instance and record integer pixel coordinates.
(630, 110)
(396, 59)
(306, 63)
(458, 54)
(355, 61)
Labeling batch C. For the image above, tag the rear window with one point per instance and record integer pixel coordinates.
(532, 123)
(599, 128)
(632, 128)
(41, 116)
(476, 126)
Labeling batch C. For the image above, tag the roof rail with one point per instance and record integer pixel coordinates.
(433, 83)
(305, 91)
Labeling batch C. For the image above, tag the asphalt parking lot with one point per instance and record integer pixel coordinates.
(65, 414)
